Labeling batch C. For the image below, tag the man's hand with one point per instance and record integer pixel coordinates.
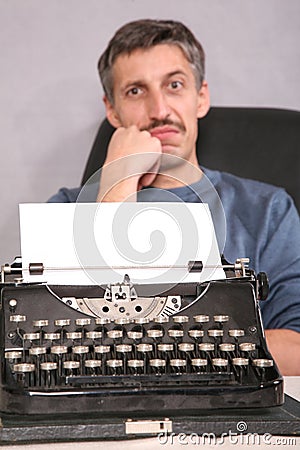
(133, 161)
(284, 346)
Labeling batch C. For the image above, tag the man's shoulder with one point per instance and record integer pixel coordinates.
(242, 189)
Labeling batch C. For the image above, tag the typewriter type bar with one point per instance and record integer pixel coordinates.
(197, 346)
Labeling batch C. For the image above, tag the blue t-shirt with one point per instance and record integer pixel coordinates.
(253, 220)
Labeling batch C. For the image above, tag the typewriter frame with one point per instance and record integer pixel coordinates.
(144, 395)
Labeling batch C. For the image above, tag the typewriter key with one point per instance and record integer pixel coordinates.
(13, 355)
(31, 336)
(206, 347)
(93, 363)
(240, 362)
(135, 335)
(114, 364)
(48, 366)
(69, 366)
(62, 322)
(196, 333)
(179, 364)
(40, 323)
(102, 349)
(123, 321)
(215, 333)
(123, 348)
(219, 362)
(82, 321)
(262, 363)
(59, 349)
(135, 363)
(236, 333)
(201, 318)
(74, 335)
(136, 366)
(161, 319)
(263, 366)
(153, 333)
(157, 363)
(186, 347)
(175, 333)
(240, 366)
(51, 336)
(247, 347)
(25, 373)
(144, 348)
(37, 351)
(48, 372)
(80, 349)
(93, 334)
(23, 368)
(17, 318)
(115, 334)
(141, 320)
(165, 347)
(221, 318)
(199, 362)
(226, 347)
(102, 320)
(180, 319)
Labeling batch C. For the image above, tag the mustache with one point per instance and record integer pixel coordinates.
(160, 123)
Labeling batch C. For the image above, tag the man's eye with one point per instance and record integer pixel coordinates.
(134, 91)
(175, 84)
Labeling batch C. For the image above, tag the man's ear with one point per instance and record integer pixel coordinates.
(111, 114)
(203, 100)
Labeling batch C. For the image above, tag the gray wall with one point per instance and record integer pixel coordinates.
(50, 97)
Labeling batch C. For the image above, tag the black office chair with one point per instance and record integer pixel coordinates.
(257, 143)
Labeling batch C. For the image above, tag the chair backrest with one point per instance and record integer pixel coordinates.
(258, 143)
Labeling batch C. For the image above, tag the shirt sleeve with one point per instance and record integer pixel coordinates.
(281, 259)
(65, 195)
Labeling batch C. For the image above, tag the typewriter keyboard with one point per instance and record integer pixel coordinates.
(88, 350)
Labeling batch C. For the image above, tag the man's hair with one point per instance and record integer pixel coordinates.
(144, 34)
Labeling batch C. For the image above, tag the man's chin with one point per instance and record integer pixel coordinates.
(170, 158)
(170, 149)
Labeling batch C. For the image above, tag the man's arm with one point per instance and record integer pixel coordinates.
(284, 345)
(280, 258)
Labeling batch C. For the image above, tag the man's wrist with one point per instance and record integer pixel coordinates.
(123, 190)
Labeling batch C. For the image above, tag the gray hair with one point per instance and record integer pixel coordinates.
(144, 34)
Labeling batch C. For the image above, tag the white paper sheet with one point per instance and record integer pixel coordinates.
(98, 243)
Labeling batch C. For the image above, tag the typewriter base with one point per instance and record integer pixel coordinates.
(185, 399)
(282, 420)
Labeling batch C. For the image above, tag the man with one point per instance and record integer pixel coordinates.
(154, 92)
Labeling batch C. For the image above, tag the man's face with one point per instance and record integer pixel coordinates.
(155, 90)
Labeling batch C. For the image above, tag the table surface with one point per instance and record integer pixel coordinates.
(292, 388)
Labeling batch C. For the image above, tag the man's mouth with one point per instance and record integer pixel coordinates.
(164, 129)
(164, 132)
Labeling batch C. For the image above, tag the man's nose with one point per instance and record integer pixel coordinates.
(158, 107)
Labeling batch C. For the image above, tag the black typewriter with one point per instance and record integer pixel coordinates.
(118, 349)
